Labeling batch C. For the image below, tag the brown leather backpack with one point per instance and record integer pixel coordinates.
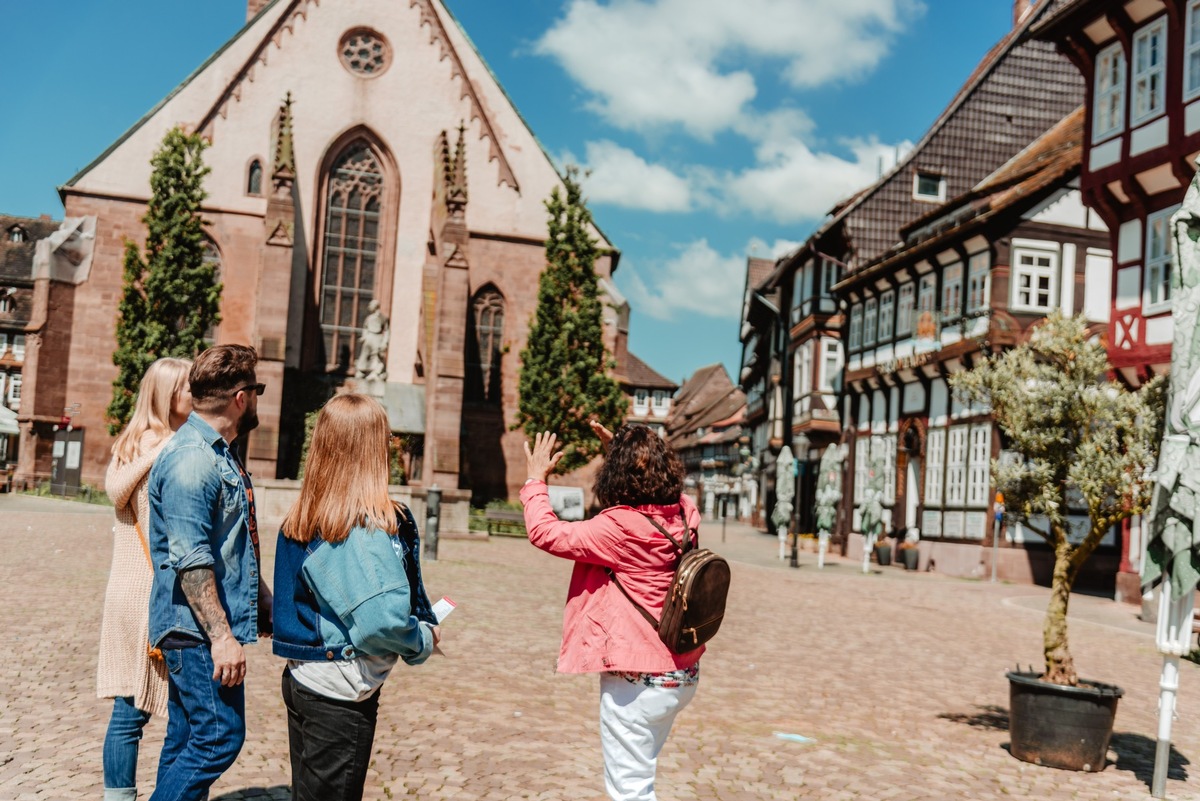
(695, 602)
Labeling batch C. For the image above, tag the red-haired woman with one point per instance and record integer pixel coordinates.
(349, 600)
(643, 685)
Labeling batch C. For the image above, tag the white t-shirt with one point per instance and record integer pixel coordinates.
(347, 680)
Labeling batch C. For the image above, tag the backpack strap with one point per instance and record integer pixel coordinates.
(682, 548)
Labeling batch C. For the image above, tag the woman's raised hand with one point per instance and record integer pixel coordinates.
(542, 458)
(600, 431)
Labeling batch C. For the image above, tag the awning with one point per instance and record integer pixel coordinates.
(8, 422)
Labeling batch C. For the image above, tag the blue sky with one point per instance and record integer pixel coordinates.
(712, 129)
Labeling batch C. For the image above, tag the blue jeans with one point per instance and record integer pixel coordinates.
(206, 726)
(121, 750)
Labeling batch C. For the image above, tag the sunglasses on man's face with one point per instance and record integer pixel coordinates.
(259, 389)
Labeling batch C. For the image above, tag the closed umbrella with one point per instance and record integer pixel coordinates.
(785, 493)
(1172, 563)
(829, 495)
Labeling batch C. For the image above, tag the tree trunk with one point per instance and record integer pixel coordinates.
(1060, 667)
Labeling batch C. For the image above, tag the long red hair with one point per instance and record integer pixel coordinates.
(346, 477)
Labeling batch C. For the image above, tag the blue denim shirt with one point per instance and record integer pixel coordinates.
(199, 517)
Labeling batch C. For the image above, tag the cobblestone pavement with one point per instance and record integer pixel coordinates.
(897, 678)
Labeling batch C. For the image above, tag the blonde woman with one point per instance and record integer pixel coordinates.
(349, 600)
(127, 673)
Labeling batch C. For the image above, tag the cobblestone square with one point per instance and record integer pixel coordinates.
(895, 678)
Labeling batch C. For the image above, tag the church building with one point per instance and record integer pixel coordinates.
(375, 211)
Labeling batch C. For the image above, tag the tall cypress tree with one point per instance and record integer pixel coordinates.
(565, 366)
(171, 296)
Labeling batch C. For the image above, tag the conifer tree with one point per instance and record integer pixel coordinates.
(171, 296)
(564, 378)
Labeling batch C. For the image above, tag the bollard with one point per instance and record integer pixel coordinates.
(433, 508)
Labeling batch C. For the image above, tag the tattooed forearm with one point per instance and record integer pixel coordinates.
(199, 586)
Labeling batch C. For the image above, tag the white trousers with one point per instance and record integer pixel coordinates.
(634, 723)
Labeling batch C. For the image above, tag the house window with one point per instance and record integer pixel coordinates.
(661, 400)
(485, 344)
(1191, 57)
(18, 347)
(1158, 259)
(17, 234)
(904, 310)
(979, 288)
(956, 466)
(929, 186)
(211, 258)
(353, 204)
(856, 326)
(800, 292)
(862, 467)
(887, 304)
(935, 454)
(952, 291)
(254, 178)
(14, 391)
(1035, 279)
(927, 328)
(869, 319)
(1109, 100)
(831, 273)
(980, 463)
(831, 363)
(804, 370)
(1149, 71)
(641, 399)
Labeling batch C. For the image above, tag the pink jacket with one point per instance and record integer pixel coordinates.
(602, 631)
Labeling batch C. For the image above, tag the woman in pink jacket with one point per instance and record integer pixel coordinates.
(643, 685)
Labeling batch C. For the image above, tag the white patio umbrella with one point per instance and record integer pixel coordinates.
(785, 492)
(1172, 563)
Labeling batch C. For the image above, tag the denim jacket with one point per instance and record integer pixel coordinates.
(199, 517)
(364, 595)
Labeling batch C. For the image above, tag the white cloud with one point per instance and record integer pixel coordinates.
(792, 182)
(618, 176)
(699, 279)
(781, 247)
(650, 63)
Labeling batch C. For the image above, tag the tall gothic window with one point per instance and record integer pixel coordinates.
(254, 178)
(349, 260)
(212, 258)
(484, 344)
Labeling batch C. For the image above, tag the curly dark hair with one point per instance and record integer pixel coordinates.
(641, 468)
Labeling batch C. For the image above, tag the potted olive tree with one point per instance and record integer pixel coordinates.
(1083, 441)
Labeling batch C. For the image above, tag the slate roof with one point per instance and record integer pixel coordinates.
(16, 258)
(758, 271)
(634, 372)
(707, 398)
(1019, 90)
(1048, 164)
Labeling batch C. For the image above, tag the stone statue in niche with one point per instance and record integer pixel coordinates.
(372, 346)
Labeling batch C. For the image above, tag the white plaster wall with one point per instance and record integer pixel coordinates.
(1097, 285)
(1129, 241)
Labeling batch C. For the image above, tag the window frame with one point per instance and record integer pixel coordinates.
(1019, 269)
(1116, 89)
(904, 317)
(803, 385)
(1191, 47)
(940, 197)
(831, 349)
(1155, 76)
(1160, 261)
(12, 395)
(952, 291)
(886, 326)
(870, 320)
(979, 282)
(854, 337)
(935, 465)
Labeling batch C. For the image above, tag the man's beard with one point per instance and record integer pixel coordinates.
(248, 422)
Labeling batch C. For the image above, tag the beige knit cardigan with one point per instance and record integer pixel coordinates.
(126, 668)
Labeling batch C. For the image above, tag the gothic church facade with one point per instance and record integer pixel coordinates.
(361, 152)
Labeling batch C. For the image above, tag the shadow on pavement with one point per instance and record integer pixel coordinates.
(280, 792)
(1135, 753)
(989, 717)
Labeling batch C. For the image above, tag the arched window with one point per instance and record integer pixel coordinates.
(254, 178)
(485, 341)
(350, 251)
(212, 257)
(16, 234)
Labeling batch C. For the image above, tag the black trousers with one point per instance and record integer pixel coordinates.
(329, 742)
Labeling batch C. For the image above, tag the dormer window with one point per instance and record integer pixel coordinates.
(17, 234)
(929, 186)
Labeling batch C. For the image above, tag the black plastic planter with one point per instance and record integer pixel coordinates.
(911, 558)
(1061, 727)
(883, 555)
